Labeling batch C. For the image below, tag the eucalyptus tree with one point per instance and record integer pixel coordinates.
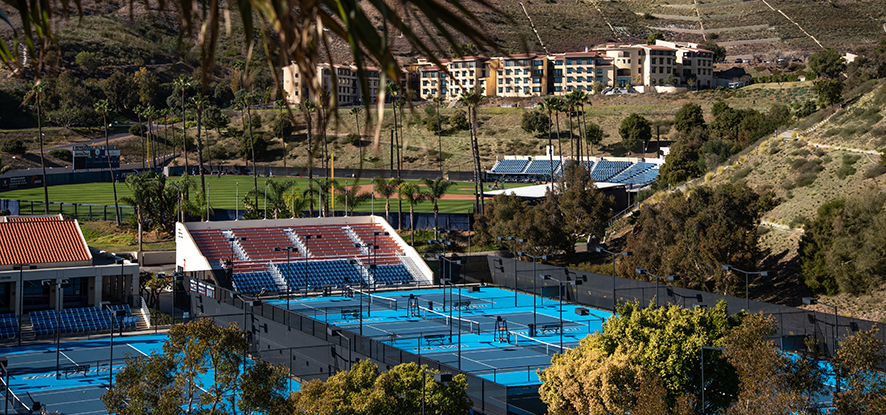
(102, 107)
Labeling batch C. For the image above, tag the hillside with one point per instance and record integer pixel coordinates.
(831, 155)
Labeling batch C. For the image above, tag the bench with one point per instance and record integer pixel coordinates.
(460, 304)
(73, 370)
(550, 328)
(350, 312)
(435, 339)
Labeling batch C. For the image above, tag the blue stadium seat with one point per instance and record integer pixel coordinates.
(337, 273)
(542, 167)
(634, 170)
(509, 166)
(606, 169)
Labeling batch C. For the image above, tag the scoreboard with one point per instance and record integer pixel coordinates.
(86, 157)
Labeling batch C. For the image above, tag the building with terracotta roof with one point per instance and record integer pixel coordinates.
(695, 65)
(344, 79)
(522, 75)
(39, 253)
(578, 71)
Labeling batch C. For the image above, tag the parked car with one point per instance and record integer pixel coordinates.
(738, 60)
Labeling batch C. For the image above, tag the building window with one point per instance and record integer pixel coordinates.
(537, 62)
(500, 89)
(536, 89)
(558, 62)
(569, 61)
(569, 79)
(536, 80)
(525, 80)
(508, 89)
(558, 88)
(569, 70)
(558, 79)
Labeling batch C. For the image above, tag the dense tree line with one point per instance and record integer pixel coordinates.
(842, 249)
(699, 147)
(574, 208)
(693, 234)
(648, 361)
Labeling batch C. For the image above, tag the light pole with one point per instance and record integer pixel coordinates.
(534, 289)
(59, 284)
(233, 240)
(614, 254)
(444, 243)
(4, 362)
(251, 304)
(811, 301)
(747, 295)
(671, 293)
(307, 237)
(335, 331)
(289, 250)
(20, 293)
(515, 239)
(375, 243)
(451, 285)
(560, 295)
(642, 271)
(119, 314)
(703, 348)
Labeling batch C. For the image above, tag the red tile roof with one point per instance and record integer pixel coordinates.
(34, 218)
(41, 241)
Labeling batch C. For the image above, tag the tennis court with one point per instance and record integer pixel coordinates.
(483, 330)
(82, 376)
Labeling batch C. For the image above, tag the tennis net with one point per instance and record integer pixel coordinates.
(374, 299)
(462, 324)
(530, 343)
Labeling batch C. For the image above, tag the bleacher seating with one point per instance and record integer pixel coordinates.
(588, 165)
(606, 169)
(80, 320)
(633, 170)
(255, 282)
(213, 244)
(387, 245)
(510, 166)
(319, 274)
(8, 326)
(643, 178)
(334, 242)
(542, 167)
(260, 243)
(391, 275)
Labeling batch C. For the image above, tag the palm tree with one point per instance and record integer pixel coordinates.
(350, 197)
(413, 195)
(200, 102)
(244, 103)
(281, 104)
(386, 189)
(436, 189)
(183, 82)
(277, 197)
(558, 106)
(101, 107)
(569, 105)
(309, 107)
(356, 111)
(550, 104)
(139, 186)
(296, 202)
(472, 100)
(576, 100)
(437, 102)
(138, 110)
(39, 88)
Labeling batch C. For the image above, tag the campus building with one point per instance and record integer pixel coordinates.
(342, 78)
(578, 71)
(42, 256)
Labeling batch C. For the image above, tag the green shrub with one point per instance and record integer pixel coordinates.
(14, 146)
(741, 174)
(61, 154)
(845, 171)
(874, 170)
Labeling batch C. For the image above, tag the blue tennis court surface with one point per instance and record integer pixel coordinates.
(485, 331)
(82, 376)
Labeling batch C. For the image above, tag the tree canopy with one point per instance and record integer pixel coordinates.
(842, 249)
(363, 390)
(689, 116)
(633, 130)
(827, 63)
(171, 381)
(694, 234)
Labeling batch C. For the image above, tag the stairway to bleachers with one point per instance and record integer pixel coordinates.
(80, 320)
(8, 326)
(386, 253)
(333, 243)
(260, 243)
(255, 282)
(320, 274)
(510, 166)
(634, 170)
(607, 169)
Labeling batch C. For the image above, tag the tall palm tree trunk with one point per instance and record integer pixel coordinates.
(252, 149)
(550, 144)
(476, 153)
(310, 164)
(111, 168)
(184, 132)
(42, 162)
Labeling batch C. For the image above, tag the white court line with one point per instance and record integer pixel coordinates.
(66, 357)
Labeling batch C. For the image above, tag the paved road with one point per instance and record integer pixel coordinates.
(99, 140)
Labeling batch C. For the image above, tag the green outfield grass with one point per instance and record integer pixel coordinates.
(223, 192)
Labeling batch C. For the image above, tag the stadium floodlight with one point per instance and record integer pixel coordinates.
(747, 295)
(643, 271)
(600, 249)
